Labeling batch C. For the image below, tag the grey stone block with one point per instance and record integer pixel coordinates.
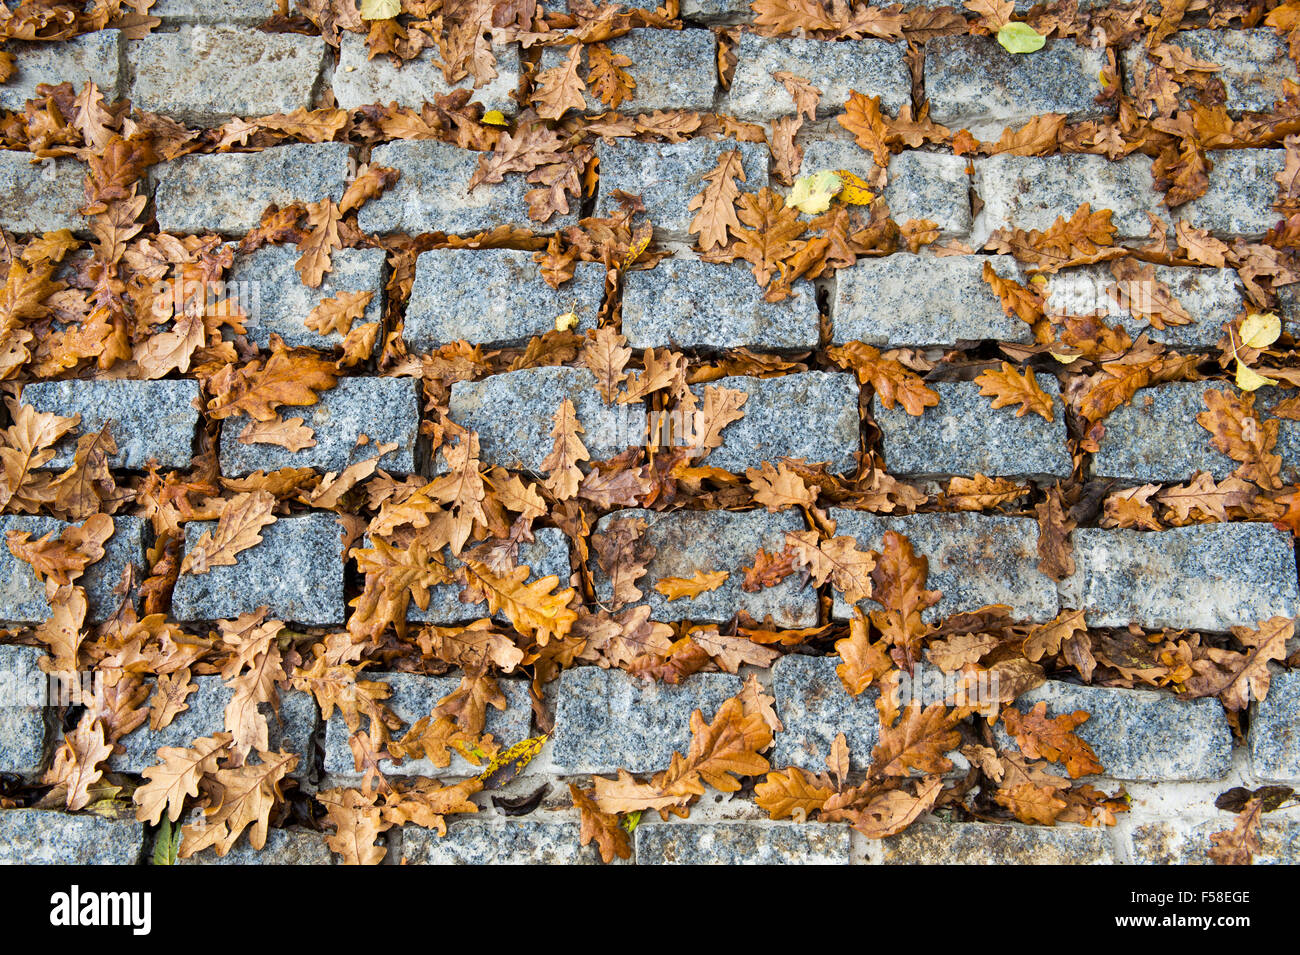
(385, 410)
(203, 74)
(905, 299)
(493, 297)
(296, 572)
(974, 560)
(920, 185)
(965, 435)
(1200, 577)
(673, 69)
(1275, 730)
(668, 175)
(148, 420)
(41, 198)
(472, 841)
(1139, 735)
(290, 730)
(413, 698)
(431, 196)
(1239, 200)
(514, 413)
(814, 707)
(715, 11)
(931, 842)
(279, 302)
(214, 11)
(228, 192)
(1186, 842)
(607, 720)
(1029, 192)
(1253, 64)
(359, 80)
(1155, 438)
(811, 415)
(22, 597)
(547, 555)
(89, 58)
(870, 67)
(41, 837)
(283, 847)
(690, 541)
(742, 843)
(1211, 296)
(972, 82)
(22, 714)
(686, 303)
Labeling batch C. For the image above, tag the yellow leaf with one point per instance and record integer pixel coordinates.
(702, 581)
(813, 194)
(567, 321)
(494, 117)
(1249, 380)
(380, 9)
(1260, 330)
(853, 189)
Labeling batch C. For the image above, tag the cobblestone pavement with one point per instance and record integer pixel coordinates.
(1174, 544)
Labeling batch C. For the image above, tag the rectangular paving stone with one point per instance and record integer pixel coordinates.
(673, 69)
(1186, 842)
(43, 837)
(546, 555)
(296, 572)
(89, 58)
(906, 299)
(974, 560)
(1030, 192)
(1274, 738)
(208, 74)
(279, 302)
(494, 297)
(385, 410)
(742, 843)
(690, 541)
(22, 597)
(431, 196)
(228, 192)
(1239, 200)
(668, 175)
(214, 11)
(870, 67)
(41, 198)
(414, 697)
(921, 185)
(1253, 64)
(514, 413)
(148, 420)
(687, 303)
(1139, 735)
(972, 82)
(607, 720)
(22, 713)
(1155, 437)
(1211, 296)
(965, 435)
(283, 847)
(931, 842)
(1200, 577)
(812, 415)
(360, 81)
(473, 841)
(289, 731)
(713, 11)
(814, 708)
